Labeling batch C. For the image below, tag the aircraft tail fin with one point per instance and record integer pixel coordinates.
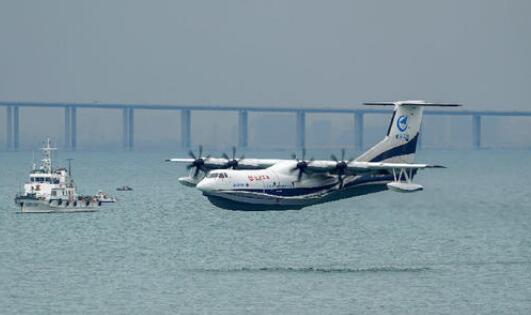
(400, 143)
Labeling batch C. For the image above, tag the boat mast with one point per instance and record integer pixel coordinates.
(47, 157)
(33, 165)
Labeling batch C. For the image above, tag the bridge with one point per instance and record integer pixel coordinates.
(128, 114)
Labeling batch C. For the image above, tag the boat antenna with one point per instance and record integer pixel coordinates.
(33, 165)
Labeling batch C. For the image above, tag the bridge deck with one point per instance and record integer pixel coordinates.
(12, 110)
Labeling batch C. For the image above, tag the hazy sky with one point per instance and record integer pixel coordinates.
(275, 52)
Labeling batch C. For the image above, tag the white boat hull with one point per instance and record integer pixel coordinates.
(45, 206)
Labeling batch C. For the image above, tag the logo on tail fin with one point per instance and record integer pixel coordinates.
(401, 123)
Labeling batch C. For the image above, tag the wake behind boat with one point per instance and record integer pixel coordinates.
(53, 190)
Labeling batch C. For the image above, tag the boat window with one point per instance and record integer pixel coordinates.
(221, 175)
(213, 175)
(226, 175)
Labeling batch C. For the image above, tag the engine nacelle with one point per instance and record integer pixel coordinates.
(404, 187)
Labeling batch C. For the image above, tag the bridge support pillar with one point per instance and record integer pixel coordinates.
(358, 131)
(476, 132)
(301, 129)
(186, 128)
(68, 127)
(73, 127)
(9, 127)
(131, 136)
(12, 127)
(243, 129)
(16, 129)
(128, 128)
(125, 128)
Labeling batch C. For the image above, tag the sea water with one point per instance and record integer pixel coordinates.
(461, 246)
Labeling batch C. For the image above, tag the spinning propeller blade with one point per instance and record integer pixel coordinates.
(232, 162)
(199, 161)
(341, 166)
(301, 165)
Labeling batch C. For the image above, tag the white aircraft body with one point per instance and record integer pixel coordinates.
(278, 184)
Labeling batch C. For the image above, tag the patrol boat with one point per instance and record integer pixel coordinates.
(52, 190)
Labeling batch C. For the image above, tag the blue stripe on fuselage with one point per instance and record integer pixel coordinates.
(301, 191)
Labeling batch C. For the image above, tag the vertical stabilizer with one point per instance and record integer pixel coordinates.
(400, 143)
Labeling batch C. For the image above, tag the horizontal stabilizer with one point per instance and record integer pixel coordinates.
(411, 103)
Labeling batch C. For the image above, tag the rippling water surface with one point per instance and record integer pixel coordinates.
(463, 245)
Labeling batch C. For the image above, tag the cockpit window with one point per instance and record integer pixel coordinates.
(218, 175)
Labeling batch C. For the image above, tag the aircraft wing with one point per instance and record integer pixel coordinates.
(323, 166)
(257, 163)
(176, 160)
(210, 163)
(220, 163)
(360, 166)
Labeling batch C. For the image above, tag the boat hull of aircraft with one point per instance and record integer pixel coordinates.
(263, 201)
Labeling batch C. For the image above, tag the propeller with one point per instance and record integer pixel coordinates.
(199, 161)
(301, 165)
(341, 166)
(232, 163)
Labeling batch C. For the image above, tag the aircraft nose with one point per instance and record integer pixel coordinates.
(204, 186)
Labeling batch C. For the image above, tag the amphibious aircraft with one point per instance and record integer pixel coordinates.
(278, 184)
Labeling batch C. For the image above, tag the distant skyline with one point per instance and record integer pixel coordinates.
(273, 52)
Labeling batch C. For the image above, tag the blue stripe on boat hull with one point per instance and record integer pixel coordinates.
(303, 191)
